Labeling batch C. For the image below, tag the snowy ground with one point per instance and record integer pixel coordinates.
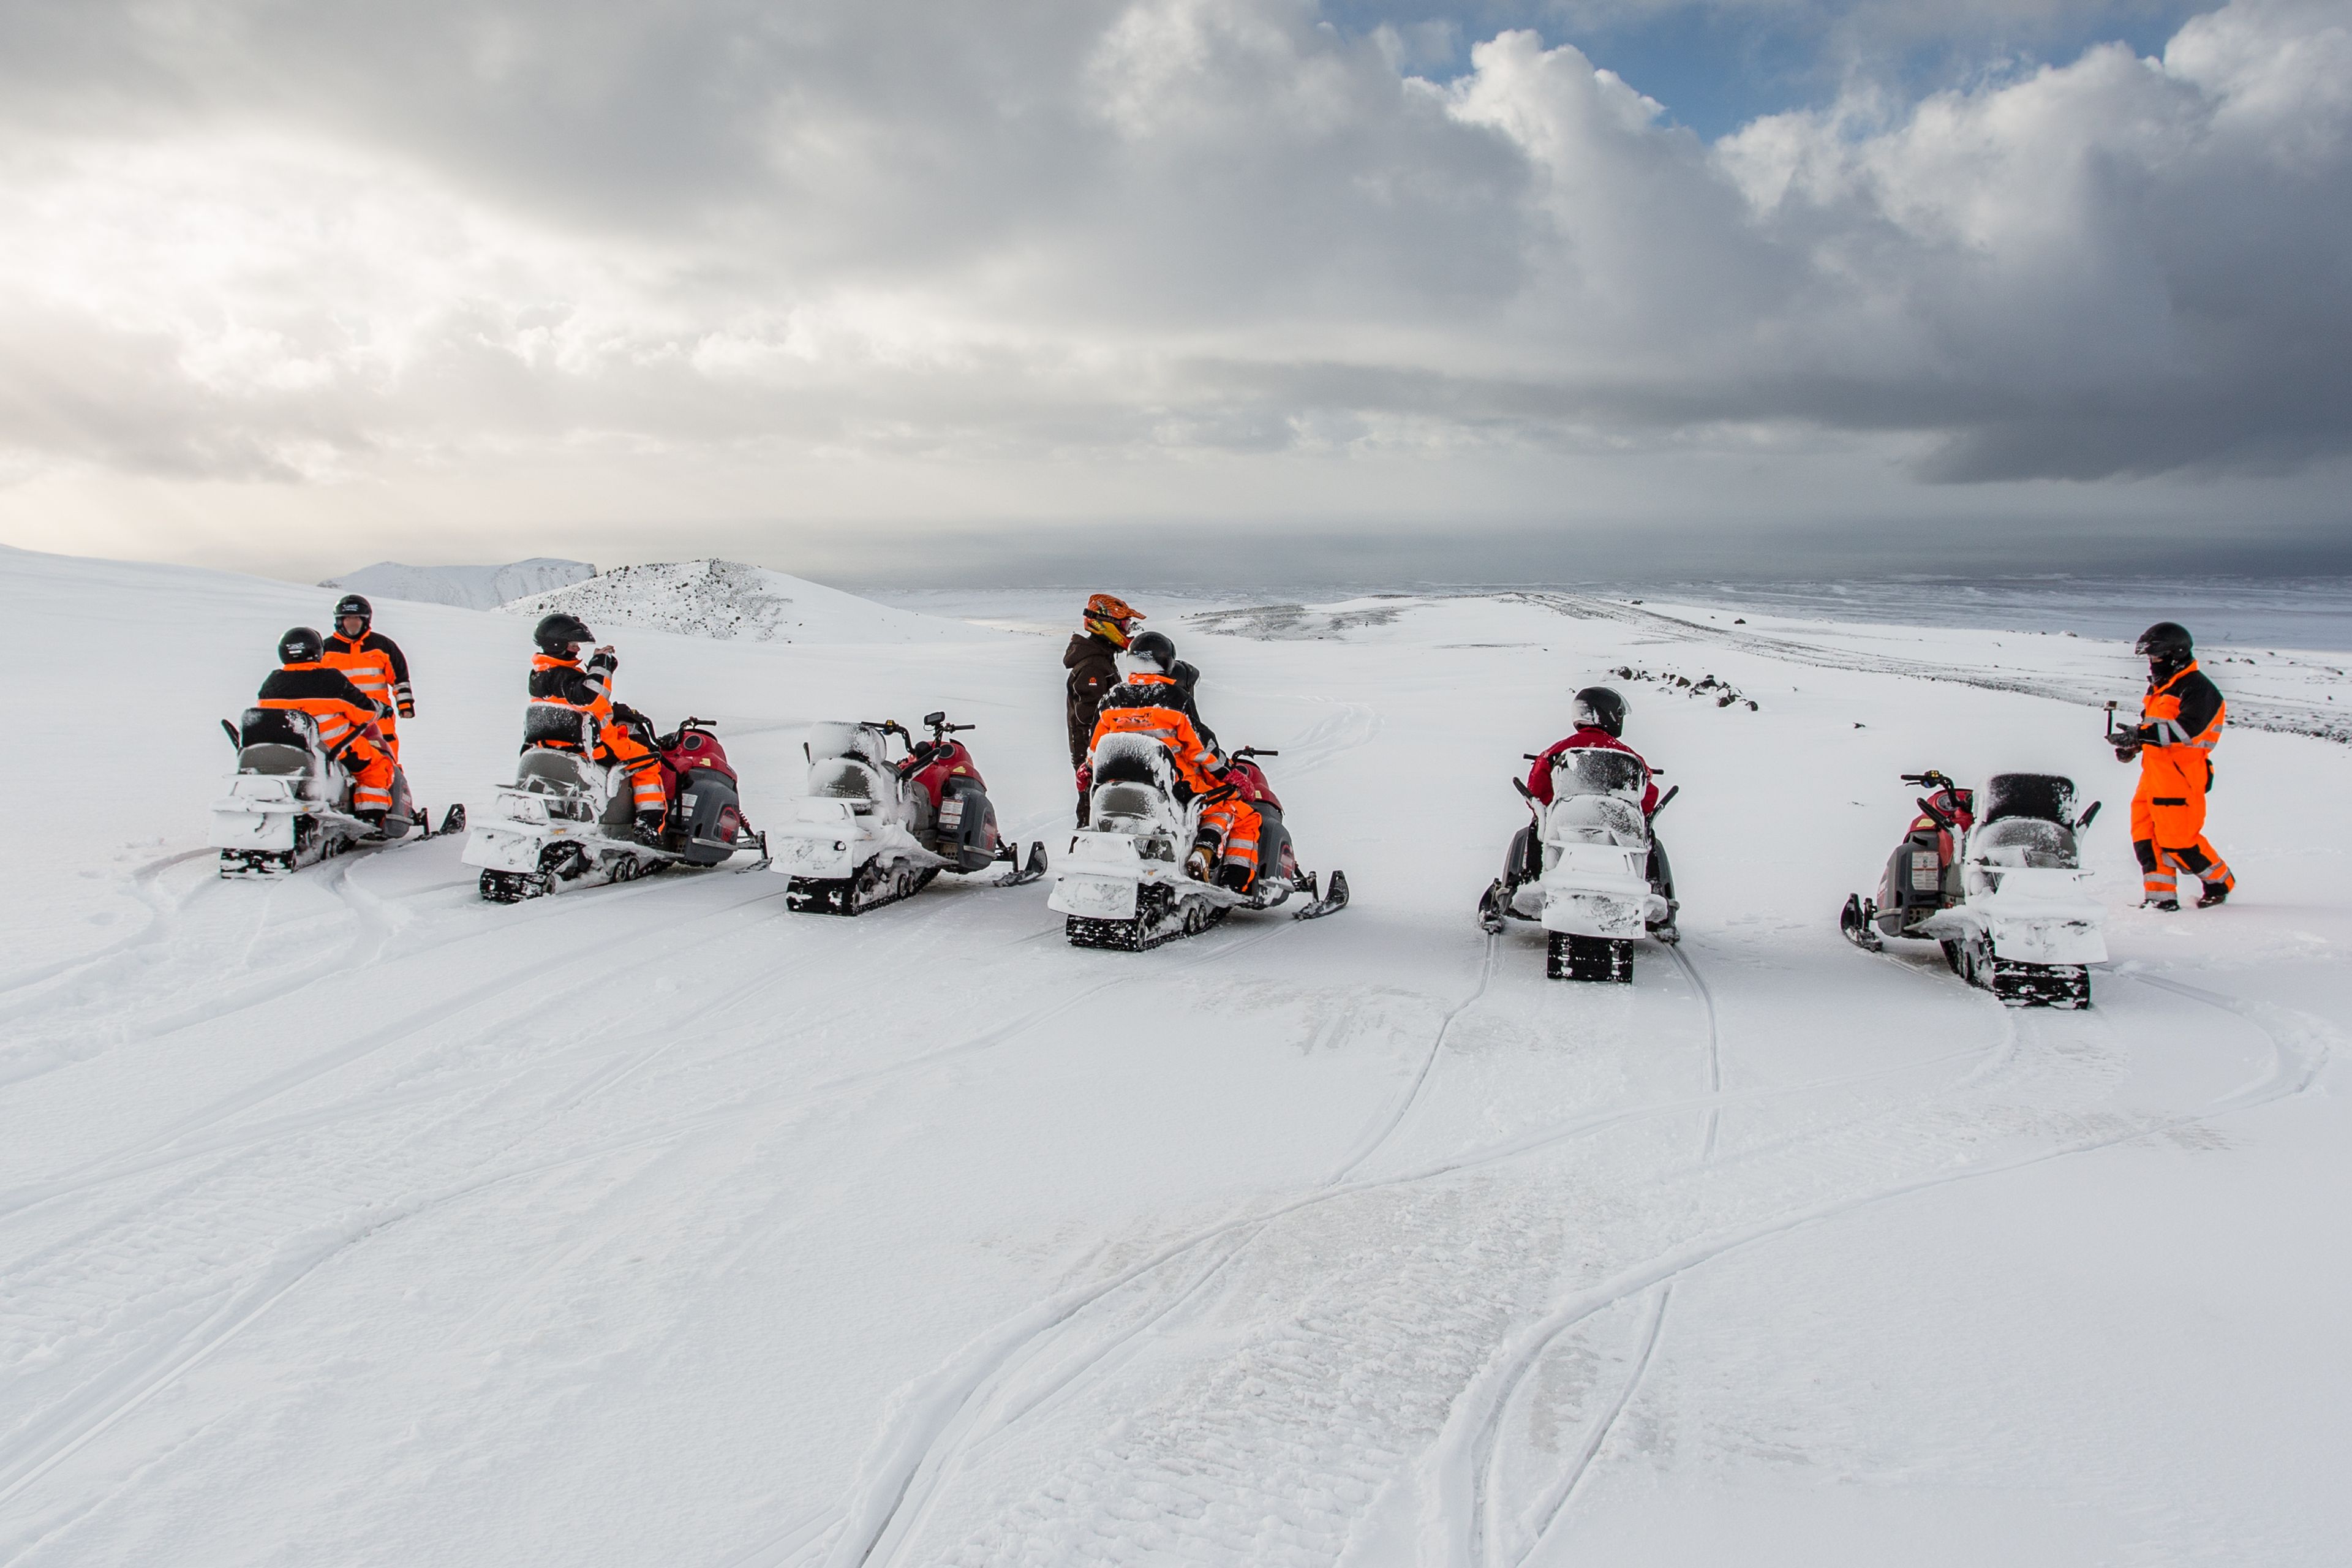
(350, 1220)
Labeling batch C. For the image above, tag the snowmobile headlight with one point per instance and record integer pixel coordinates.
(525, 808)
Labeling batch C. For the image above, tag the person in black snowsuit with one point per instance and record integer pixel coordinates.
(1092, 660)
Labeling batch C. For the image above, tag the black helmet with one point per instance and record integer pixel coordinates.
(300, 645)
(1154, 649)
(1598, 708)
(354, 604)
(2167, 642)
(560, 631)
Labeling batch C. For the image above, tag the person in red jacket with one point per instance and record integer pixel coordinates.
(1598, 716)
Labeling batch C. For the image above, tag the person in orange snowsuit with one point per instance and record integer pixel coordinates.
(2180, 723)
(375, 664)
(345, 716)
(1152, 703)
(560, 680)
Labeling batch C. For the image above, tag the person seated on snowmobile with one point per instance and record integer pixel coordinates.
(1150, 703)
(373, 663)
(345, 716)
(1092, 660)
(560, 680)
(1188, 679)
(1598, 715)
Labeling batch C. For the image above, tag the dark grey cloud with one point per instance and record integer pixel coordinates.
(838, 256)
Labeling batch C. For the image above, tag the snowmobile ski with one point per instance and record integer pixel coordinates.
(1855, 921)
(1324, 903)
(1022, 876)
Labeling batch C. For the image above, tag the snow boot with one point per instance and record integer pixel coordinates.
(648, 830)
(1197, 864)
(2162, 906)
(1234, 875)
(2215, 893)
(375, 828)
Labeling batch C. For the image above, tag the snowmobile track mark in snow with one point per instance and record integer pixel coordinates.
(870, 888)
(1465, 1446)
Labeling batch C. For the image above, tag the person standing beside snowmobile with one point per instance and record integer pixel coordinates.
(1092, 660)
(1598, 716)
(372, 662)
(559, 680)
(1150, 703)
(345, 717)
(2180, 723)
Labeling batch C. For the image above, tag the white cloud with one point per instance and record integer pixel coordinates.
(333, 247)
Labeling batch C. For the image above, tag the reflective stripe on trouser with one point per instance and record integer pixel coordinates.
(371, 779)
(2172, 829)
(616, 746)
(1236, 822)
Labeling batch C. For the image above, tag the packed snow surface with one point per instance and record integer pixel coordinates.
(728, 600)
(347, 1219)
(469, 587)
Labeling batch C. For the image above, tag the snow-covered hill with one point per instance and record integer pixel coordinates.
(351, 1220)
(728, 600)
(468, 588)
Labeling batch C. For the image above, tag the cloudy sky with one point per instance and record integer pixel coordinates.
(904, 290)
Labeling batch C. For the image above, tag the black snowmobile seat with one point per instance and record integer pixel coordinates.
(2043, 798)
(1128, 765)
(275, 740)
(546, 724)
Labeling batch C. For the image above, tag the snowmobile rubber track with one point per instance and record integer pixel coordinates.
(1590, 958)
(868, 889)
(514, 887)
(1155, 925)
(2067, 986)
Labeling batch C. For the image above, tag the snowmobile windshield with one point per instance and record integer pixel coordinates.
(835, 739)
(1592, 770)
(2025, 841)
(841, 778)
(2047, 797)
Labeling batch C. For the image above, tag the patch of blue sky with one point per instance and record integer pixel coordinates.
(1716, 65)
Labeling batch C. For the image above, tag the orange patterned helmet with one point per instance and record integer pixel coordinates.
(1111, 618)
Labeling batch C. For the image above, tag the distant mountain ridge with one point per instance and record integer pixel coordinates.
(467, 587)
(730, 601)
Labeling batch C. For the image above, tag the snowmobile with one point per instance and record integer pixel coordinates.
(570, 822)
(2005, 895)
(289, 802)
(874, 829)
(1594, 896)
(1125, 883)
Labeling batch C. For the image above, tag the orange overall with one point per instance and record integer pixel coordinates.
(2175, 770)
(1136, 709)
(566, 683)
(373, 663)
(346, 721)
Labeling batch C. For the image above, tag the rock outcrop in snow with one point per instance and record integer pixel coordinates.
(728, 600)
(467, 587)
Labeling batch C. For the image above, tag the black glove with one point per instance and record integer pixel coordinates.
(2126, 751)
(607, 662)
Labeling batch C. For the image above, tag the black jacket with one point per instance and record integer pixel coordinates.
(1093, 663)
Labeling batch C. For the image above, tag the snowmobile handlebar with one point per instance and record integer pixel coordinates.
(1931, 779)
(1665, 799)
(937, 722)
(1255, 752)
